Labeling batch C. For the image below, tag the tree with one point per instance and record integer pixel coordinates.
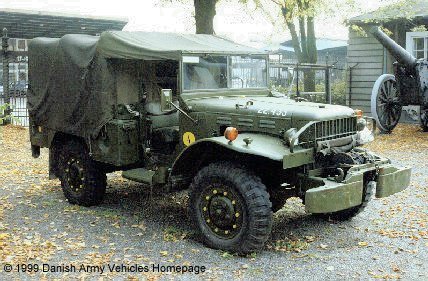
(304, 43)
(204, 16)
(205, 11)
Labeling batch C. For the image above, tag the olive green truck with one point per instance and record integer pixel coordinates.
(195, 112)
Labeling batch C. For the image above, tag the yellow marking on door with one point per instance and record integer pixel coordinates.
(188, 138)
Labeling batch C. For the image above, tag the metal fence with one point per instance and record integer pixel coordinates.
(14, 77)
(19, 109)
(330, 79)
(17, 89)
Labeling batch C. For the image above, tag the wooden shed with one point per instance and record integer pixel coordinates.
(367, 59)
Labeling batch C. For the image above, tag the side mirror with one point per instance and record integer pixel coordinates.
(166, 99)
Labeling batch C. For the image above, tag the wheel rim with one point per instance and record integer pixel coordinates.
(222, 210)
(74, 175)
(386, 105)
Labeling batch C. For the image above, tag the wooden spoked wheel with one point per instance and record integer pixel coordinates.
(385, 103)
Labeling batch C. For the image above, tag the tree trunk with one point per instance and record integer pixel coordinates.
(204, 16)
(311, 41)
(304, 47)
(309, 81)
(294, 36)
(312, 55)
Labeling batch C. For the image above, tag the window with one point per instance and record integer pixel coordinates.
(417, 44)
(247, 72)
(22, 45)
(221, 72)
(205, 72)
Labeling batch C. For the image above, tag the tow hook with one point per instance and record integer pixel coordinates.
(377, 172)
(341, 176)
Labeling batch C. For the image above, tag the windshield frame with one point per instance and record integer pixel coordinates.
(227, 89)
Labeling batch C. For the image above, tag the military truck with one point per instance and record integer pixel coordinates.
(195, 112)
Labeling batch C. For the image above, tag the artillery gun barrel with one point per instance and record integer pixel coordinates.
(398, 52)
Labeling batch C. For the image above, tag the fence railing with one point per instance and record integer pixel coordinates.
(19, 110)
(330, 84)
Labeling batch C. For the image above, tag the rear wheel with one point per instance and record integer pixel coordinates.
(82, 180)
(231, 208)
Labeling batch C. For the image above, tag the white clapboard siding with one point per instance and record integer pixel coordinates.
(366, 57)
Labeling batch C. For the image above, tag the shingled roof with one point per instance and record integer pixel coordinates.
(30, 24)
(407, 9)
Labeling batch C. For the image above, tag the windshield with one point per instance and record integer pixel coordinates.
(222, 72)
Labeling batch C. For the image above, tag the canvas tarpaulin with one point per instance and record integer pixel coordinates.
(156, 45)
(71, 84)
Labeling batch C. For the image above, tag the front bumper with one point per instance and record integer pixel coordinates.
(334, 196)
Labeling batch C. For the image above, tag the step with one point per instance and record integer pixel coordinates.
(139, 175)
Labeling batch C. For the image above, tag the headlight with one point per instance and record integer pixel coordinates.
(366, 132)
(371, 125)
(361, 124)
(288, 136)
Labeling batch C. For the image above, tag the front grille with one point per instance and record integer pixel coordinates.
(333, 129)
(328, 130)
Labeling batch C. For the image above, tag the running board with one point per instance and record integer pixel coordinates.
(139, 175)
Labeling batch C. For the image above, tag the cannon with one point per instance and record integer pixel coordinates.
(408, 86)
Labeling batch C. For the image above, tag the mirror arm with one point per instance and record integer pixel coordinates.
(184, 113)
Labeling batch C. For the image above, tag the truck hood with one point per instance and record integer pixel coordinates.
(270, 107)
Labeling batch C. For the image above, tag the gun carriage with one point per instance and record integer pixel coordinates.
(408, 86)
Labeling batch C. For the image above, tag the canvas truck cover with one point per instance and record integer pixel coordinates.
(71, 85)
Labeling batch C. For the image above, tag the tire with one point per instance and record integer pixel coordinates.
(82, 180)
(348, 214)
(231, 208)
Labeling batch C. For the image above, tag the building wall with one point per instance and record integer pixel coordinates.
(18, 64)
(366, 62)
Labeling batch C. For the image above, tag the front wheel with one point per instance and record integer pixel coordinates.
(231, 208)
(82, 180)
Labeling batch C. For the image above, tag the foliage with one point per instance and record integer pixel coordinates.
(290, 245)
(419, 28)
(393, 10)
(403, 9)
(173, 234)
(5, 116)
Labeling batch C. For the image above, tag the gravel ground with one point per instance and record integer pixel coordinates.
(389, 240)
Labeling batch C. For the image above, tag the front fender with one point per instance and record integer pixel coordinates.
(263, 146)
